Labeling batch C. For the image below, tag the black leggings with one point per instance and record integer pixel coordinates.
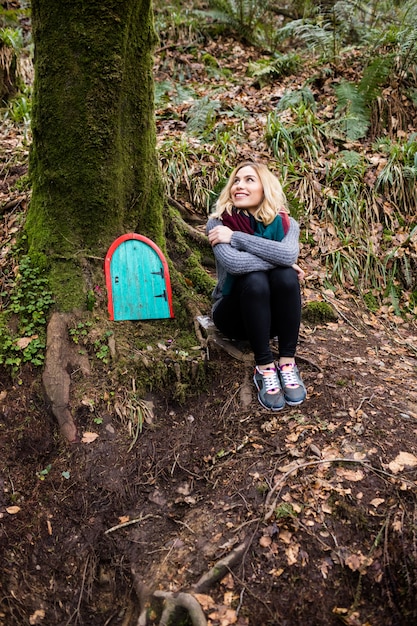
(263, 305)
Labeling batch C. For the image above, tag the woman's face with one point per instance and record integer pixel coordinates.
(247, 191)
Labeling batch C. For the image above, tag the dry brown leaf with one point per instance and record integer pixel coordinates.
(402, 460)
(205, 601)
(349, 474)
(285, 536)
(265, 541)
(292, 553)
(12, 510)
(377, 501)
(37, 617)
(23, 342)
(358, 562)
(89, 437)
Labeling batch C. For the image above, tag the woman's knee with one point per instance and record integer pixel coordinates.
(255, 285)
(285, 279)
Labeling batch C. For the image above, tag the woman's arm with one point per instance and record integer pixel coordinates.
(283, 252)
(233, 260)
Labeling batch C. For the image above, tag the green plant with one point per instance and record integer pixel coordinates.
(285, 510)
(101, 347)
(42, 474)
(399, 176)
(355, 101)
(243, 16)
(79, 332)
(279, 65)
(297, 139)
(27, 307)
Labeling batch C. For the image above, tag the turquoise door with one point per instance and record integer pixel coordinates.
(137, 280)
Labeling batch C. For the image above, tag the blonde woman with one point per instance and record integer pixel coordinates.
(257, 295)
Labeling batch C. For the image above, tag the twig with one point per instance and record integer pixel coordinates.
(129, 523)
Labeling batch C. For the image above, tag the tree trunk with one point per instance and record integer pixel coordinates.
(93, 162)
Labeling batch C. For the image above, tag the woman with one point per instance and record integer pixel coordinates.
(257, 295)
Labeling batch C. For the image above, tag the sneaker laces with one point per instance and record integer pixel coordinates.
(270, 378)
(289, 375)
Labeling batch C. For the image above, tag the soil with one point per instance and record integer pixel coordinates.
(324, 493)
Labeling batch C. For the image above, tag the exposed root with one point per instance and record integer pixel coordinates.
(60, 359)
(183, 600)
(222, 567)
(175, 600)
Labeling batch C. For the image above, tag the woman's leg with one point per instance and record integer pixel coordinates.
(286, 317)
(285, 309)
(246, 314)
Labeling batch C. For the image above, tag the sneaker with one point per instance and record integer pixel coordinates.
(269, 388)
(292, 384)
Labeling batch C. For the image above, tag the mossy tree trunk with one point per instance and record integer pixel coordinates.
(93, 162)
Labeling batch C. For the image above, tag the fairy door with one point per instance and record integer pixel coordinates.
(137, 280)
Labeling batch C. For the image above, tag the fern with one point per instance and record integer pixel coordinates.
(202, 115)
(292, 99)
(266, 70)
(244, 16)
(356, 116)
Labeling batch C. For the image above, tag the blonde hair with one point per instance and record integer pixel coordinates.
(274, 198)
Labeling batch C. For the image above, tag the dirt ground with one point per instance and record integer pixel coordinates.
(323, 494)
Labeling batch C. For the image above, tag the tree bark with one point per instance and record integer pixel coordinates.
(93, 161)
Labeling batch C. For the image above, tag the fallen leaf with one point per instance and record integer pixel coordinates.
(89, 437)
(123, 519)
(358, 562)
(265, 541)
(12, 510)
(377, 501)
(402, 460)
(349, 474)
(37, 616)
(23, 342)
(285, 536)
(292, 553)
(206, 602)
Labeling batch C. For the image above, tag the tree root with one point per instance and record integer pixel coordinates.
(222, 567)
(186, 600)
(183, 600)
(60, 359)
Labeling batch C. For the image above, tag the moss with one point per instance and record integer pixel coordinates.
(318, 313)
(371, 301)
(199, 278)
(65, 279)
(93, 164)
(209, 60)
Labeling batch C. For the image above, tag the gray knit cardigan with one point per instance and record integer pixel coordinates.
(250, 253)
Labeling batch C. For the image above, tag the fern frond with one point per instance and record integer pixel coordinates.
(202, 115)
(293, 98)
(374, 76)
(355, 119)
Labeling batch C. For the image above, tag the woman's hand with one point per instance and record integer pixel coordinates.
(220, 234)
(300, 272)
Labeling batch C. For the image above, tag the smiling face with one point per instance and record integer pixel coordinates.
(247, 191)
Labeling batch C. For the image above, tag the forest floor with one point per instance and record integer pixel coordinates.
(321, 497)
